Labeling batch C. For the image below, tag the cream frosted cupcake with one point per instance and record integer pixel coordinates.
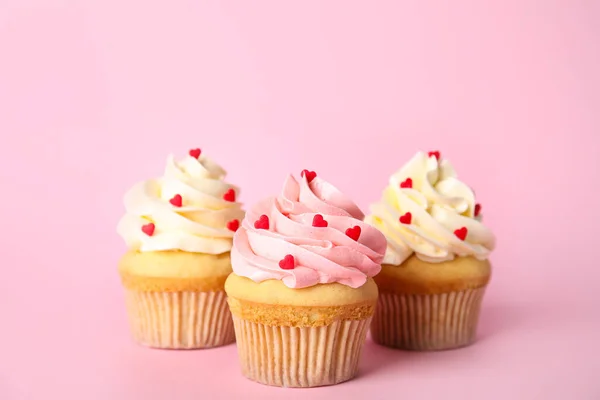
(436, 266)
(301, 293)
(179, 229)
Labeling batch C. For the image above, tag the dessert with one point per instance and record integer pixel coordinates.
(302, 293)
(436, 266)
(179, 232)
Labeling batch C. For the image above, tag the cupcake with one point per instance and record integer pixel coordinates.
(436, 266)
(301, 292)
(179, 230)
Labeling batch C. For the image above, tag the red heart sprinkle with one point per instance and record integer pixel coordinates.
(233, 225)
(288, 262)
(461, 233)
(262, 222)
(229, 195)
(195, 153)
(354, 232)
(177, 201)
(477, 209)
(407, 184)
(310, 175)
(435, 154)
(319, 222)
(148, 229)
(406, 218)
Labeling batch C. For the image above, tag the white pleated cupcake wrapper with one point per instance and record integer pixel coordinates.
(300, 356)
(427, 322)
(180, 320)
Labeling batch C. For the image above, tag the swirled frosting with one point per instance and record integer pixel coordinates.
(428, 211)
(321, 254)
(190, 208)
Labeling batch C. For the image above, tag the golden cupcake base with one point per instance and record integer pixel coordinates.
(299, 337)
(176, 300)
(429, 306)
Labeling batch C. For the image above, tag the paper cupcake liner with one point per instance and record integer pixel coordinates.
(300, 356)
(427, 322)
(180, 320)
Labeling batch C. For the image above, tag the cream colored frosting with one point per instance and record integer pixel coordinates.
(439, 204)
(199, 225)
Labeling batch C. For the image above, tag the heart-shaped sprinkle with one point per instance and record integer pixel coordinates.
(310, 175)
(195, 153)
(435, 154)
(354, 232)
(461, 233)
(407, 184)
(319, 222)
(233, 225)
(262, 222)
(148, 229)
(177, 201)
(229, 195)
(406, 218)
(477, 209)
(288, 262)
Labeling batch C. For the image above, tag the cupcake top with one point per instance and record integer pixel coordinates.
(190, 209)
(311, 233)
(428, 211)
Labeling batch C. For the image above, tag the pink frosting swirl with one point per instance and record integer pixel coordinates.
(321, 254)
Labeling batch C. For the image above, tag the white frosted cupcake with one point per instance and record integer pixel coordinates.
(179, 229)
(436, 266)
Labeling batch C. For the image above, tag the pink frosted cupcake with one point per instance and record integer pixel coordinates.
(302, 293)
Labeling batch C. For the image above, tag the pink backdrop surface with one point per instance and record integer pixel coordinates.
(93, 95)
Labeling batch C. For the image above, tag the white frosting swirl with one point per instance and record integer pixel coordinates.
(439, 204)
(199, 225)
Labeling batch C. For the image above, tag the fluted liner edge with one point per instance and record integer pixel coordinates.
(427, 322)
(180, 320)
(300, 356)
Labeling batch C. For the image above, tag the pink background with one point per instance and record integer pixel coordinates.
(93, 95)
